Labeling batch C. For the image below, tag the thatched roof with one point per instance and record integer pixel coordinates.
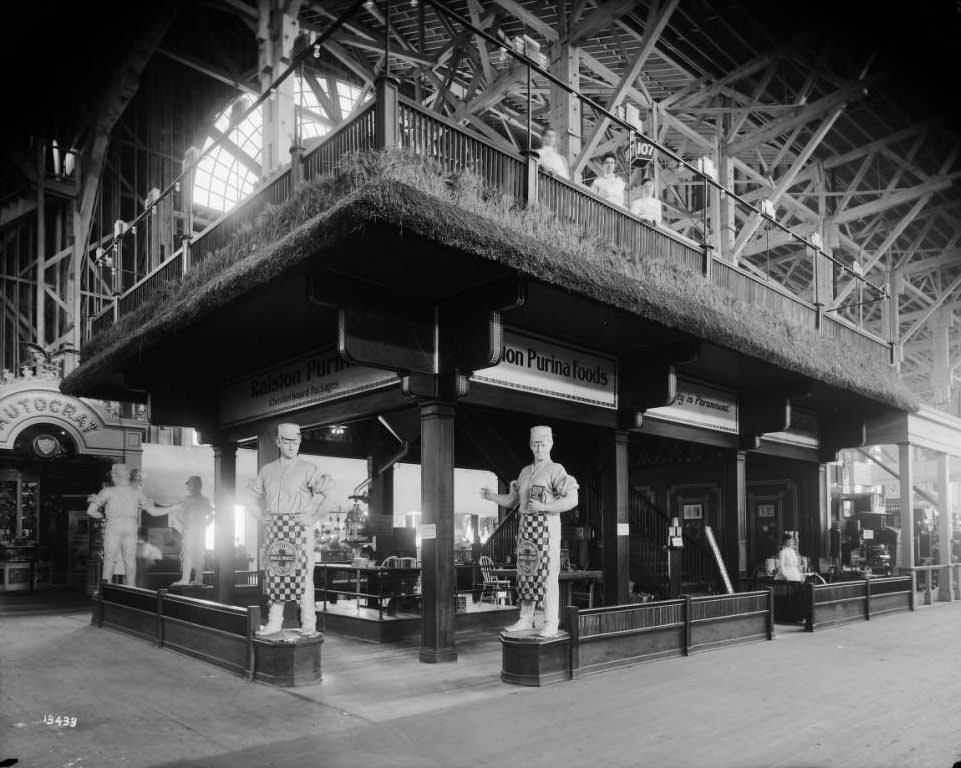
(395, 191)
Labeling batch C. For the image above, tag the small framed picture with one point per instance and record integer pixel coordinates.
(692, 511)
(766, 510)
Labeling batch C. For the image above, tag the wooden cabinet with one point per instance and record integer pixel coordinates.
(19, 498)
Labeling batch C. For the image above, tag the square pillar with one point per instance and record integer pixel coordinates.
(945, 525)
(437, 532)
(614, 490)
(906, 472)
(734, 512)
(225, 493)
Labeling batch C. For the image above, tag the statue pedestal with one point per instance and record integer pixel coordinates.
(287, 658)
(200, 591)
(527, 659)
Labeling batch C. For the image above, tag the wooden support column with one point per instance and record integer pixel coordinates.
(385, 112)
(945, 525)
(614, 490)
(278, 28)
(437, 531)
(734, 513)
(565, 114)
(225, 493)
(906, 472)
(41, 249)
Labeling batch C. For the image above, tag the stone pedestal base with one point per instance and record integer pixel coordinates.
(200, 591)
(527, 659)
(287, 658)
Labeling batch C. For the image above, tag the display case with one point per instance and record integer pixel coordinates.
(18, 534)
(18, 511)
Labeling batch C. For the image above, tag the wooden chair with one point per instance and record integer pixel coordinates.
(494, 589)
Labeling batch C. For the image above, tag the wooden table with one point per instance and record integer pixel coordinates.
(566, 579)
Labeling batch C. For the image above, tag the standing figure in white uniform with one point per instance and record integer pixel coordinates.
(194, 515)
(289, 492)
(788, 564)
(121, 505)
(609, 185)
(549, 158)
(544, 490)
(646, 206)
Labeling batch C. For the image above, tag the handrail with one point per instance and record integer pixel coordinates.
(440, 7)
(503, 169)
(697, 559)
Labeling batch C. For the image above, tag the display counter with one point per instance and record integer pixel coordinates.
(369, 586)
(25, 575)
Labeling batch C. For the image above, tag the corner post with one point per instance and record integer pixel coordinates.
(531, 157)
(225, 489)
(385, 112)
(437, 531)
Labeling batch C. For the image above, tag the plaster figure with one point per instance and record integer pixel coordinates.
(192, 516)
(289, 492)
(121, 504)
(544, 490)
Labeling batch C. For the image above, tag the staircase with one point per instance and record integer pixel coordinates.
(648, 553)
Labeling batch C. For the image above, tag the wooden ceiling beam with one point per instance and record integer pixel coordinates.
(528, 19)
(348, 60)
(900, 197)
(656, 23)
(803, 115)
(938, 301)
(603, 14)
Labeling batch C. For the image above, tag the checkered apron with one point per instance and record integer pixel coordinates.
(532, 558)
(285, 557)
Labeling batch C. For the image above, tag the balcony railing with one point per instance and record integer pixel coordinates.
(430, 135)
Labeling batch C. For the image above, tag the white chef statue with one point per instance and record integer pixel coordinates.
(121, 505)
(544, 490)
(289, 492)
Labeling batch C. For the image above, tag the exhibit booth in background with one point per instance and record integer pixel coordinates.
(55, 450)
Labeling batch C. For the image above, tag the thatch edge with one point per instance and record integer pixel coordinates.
(393, 203)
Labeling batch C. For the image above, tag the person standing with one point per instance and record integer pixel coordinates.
(194, 515)
(549, 158)
(646, 206)
(120, 504)
(788, 563)
(543, 490)
(609, 185)
(289, 492)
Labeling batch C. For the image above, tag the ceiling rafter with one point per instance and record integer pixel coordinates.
(653, 29)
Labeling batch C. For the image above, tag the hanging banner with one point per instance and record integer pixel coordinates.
(318, 377)
(542, 367)
(699, 405)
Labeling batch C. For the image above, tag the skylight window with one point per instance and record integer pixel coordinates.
(231, 171)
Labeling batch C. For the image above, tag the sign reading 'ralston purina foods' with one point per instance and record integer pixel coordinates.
(316, 378)
(534, 364)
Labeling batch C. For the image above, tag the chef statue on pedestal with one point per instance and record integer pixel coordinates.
(289, 492)
(120, 504)
(544, 490)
